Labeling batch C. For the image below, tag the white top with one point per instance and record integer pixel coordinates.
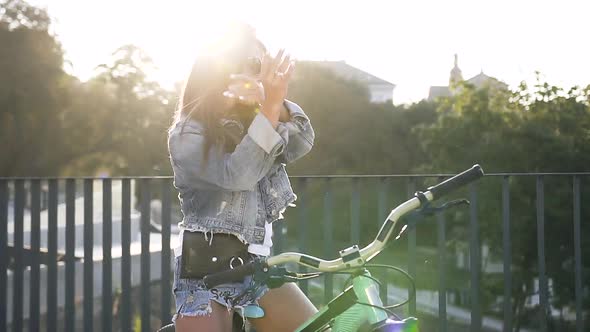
(264, 248)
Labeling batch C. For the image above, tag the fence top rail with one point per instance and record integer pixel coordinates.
(325, 176)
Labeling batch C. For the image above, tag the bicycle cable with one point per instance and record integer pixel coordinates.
(307, 276)
(404, 273)
(386, 309)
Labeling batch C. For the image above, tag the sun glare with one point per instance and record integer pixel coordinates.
(195, 27)
(410, 44)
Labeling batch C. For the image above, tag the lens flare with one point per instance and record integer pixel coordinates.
(406, 325)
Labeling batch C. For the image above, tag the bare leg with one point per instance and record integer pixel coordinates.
(220, 320)
(285, 309)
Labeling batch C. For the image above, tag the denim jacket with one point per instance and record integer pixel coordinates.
(238, 192)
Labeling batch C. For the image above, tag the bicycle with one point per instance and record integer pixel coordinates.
(359, 306)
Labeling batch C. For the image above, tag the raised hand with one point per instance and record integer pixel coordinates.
(268, 89)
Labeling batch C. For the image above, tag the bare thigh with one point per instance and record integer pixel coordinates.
(285, 309)
(220, 320)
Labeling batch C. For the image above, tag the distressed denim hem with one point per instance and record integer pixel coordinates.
(191, 308)
(277, 214)
(207, 225)
(208, 230)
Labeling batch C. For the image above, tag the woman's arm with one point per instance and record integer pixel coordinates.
(299, 131)
(239, 170)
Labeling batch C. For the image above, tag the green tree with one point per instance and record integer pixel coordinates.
(543, 129)
(31, 91)
(117, 121)
(354, 136)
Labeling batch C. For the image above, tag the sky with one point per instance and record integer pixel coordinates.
(408, 43)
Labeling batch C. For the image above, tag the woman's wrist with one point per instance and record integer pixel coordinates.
(272, 113)
(285, 115)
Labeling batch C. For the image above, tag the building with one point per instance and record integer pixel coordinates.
(478, 81)
(381, 91)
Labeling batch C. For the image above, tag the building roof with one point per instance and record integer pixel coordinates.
(482, 79)
(346, 71)
(478, 81)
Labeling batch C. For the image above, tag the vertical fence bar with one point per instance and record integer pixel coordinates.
(381, 206)
(475, 261)
(70, 308)
(355, 205)
(35, 286)
(145, 255)
(165, 287)
(411, 188)
(3, 248)
(578, 256)
(52, 255)
(17, 300)
(88, 259)
(328, 238)
(302, 240)
(278, 236)
(541, 253)
(107, 262)
(125, 255)
(507, 245)
(279, 229)
(442, 287)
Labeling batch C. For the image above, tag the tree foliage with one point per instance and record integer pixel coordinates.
(53, 124)
(115, 123)
(531, 130)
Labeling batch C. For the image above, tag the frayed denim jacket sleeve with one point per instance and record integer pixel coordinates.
(297, 133)
(239, 170)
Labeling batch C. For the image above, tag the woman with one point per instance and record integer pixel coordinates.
(232, 135)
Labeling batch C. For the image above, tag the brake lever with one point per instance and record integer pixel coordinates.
(429, 210)
(273, 276)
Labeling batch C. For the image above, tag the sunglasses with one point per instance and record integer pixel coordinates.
(251, 65)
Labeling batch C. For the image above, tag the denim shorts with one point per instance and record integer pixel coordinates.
(194, 299)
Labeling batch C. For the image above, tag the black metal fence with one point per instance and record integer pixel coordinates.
(24, 200)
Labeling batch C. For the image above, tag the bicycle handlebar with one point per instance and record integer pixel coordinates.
(356, 258)
(236, 274)
(456, 181)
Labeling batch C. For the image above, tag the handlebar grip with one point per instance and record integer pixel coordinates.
(236, 274)
(456, 181)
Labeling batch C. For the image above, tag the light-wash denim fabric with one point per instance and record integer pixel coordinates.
(194, 299)
(238, 192)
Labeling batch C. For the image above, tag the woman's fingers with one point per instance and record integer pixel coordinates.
(284, 64)
(265, 65)
(271, 84)
(289, 70)
(275, 66)
(276, 62)
(283, 76)
(271, 65)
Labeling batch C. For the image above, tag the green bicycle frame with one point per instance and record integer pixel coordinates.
(345, 310)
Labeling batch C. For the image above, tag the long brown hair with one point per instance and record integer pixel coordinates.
(201, 97)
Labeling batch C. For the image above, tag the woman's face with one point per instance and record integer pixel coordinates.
(241, 92)
(251, 61)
